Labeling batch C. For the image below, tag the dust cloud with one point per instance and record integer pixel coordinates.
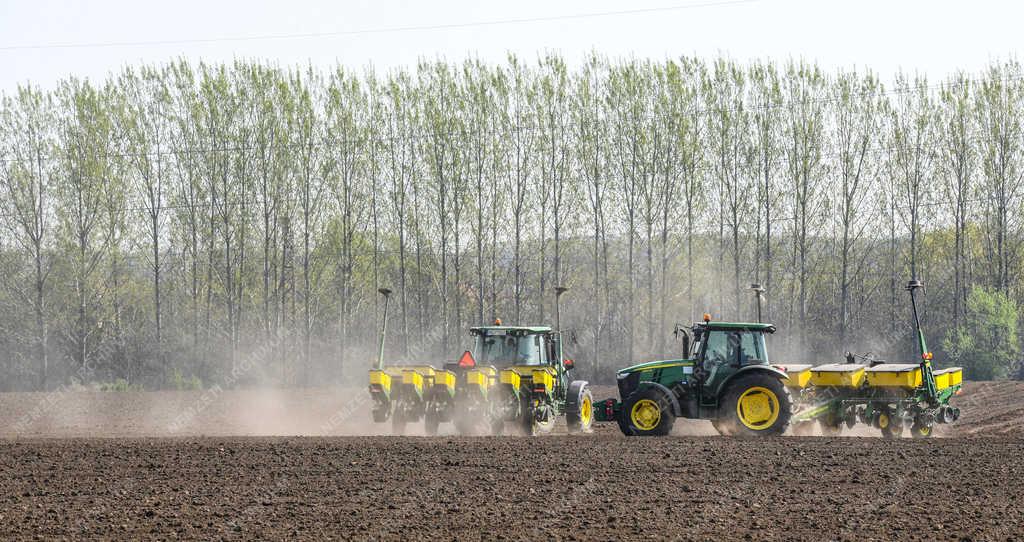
(214, 411)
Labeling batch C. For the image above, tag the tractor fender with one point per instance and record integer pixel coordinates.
(749, 369)
(574, 394)
(676, 409)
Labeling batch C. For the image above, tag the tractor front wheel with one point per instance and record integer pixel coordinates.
(756, 404)
(579, 412)
(647, 412)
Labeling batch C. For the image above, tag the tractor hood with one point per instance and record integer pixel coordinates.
(651, 365)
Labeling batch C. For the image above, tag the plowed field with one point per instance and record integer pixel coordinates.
(93, 465)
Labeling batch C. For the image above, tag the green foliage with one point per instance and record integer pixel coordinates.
(181, 383)
(197, 216)
(987, 346)
(119, 385)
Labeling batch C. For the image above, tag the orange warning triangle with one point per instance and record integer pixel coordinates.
(467, 360)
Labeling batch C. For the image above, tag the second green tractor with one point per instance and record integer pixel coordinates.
(725, 376)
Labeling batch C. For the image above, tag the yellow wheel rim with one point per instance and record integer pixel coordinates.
(758, 408)
(586, 411)
(883, 420)
(925, 431)
(645, 415)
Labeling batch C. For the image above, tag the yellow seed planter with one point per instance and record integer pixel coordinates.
(444, 380)
(838, 375)
(797, 376)
(946, 378)
(481, 378)
(542, 378)
(380, 381)
(895, 375)
(956, 376)
(510, 377)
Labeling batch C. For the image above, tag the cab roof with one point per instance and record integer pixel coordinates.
(767, 328)
(527, 329)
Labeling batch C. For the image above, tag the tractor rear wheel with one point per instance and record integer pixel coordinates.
(579, 408)
(647, 412)
(756, 404)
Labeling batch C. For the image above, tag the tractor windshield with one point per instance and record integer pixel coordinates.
(735, 348)
(503, 349)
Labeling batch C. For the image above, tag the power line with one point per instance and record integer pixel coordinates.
(381, 30)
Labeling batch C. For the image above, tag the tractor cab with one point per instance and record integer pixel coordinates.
(507, 346)
(722, 349)
(511, 374)
(531, 383)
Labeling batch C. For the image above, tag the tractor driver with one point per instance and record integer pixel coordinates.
(508, 353)
(722, 349)
(529, 350)
(513, 350)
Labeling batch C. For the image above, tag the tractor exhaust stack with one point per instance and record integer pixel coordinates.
(758, 295)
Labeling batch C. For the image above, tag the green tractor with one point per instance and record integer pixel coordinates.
(529, 385)
(514, 377)
(725, 376)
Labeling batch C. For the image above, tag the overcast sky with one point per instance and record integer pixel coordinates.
(43, 41)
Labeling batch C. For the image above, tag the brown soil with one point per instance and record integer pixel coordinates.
(990, 408)
(58, 482)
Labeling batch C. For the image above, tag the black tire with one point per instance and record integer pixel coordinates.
(579, 407)
(398, 422)
(768, 394)
(623, 424)
(431, 422)
(528, 423)
(647, 412)
(889, 424)
(921, 429)
(830, 426)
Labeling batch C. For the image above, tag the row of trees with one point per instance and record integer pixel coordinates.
(235, 221)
